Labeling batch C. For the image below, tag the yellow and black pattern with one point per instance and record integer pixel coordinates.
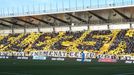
(105, 41)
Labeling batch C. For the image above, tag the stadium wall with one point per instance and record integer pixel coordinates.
(120, 26)
(69, 28)
(132, 25)
(58, 29)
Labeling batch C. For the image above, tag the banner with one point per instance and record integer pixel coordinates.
(4, 57)
(25, 58)
(129, 62)
(59, 59)
(39, 58)
(64, 54)
(85, 60)
(107, 60)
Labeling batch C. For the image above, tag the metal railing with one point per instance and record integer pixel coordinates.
(24, 11)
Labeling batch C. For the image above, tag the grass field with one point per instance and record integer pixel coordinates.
(29, 67)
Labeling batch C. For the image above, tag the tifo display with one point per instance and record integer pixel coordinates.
(112, 42)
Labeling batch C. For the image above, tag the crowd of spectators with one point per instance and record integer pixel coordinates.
(15, 42)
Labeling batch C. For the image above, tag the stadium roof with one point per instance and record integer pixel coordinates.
(64, 12)
(37, 7)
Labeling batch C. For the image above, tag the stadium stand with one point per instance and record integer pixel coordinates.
(102, 42)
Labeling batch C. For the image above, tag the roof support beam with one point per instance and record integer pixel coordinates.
(122, 15)
(59, 19)
(80, 19)
(2, 24)
(42, 20)
(99, 17)
(26, 21)
(12, 22)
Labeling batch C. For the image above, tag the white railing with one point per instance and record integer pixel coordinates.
(41, 10)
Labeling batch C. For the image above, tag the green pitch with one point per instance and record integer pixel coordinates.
(29, 67)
